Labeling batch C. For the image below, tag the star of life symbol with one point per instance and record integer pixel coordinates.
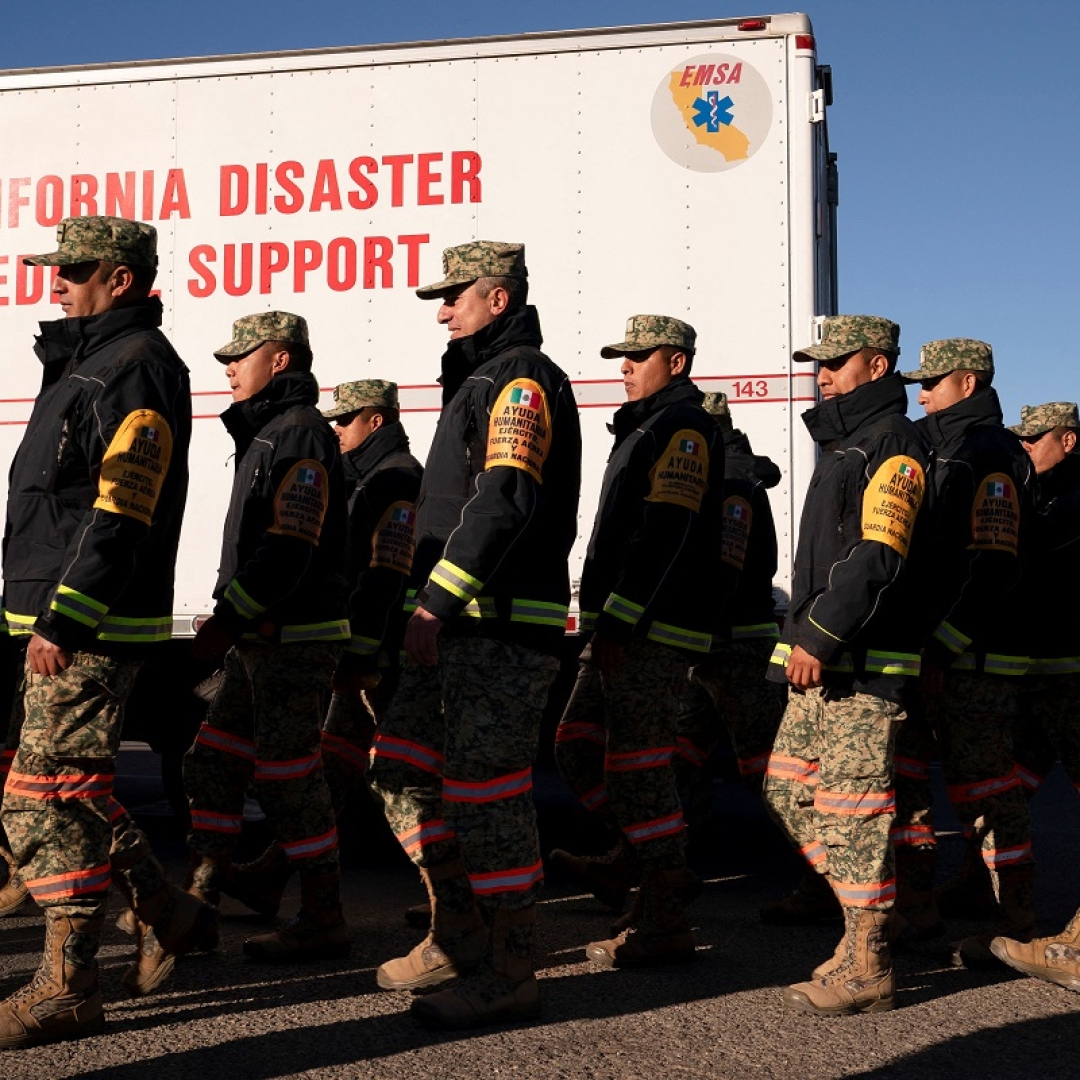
(712, 111)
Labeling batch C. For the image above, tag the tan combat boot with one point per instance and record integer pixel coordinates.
(455, 943)
(63, 1000)
(502, 990)
(916, 917)
(862, 981)
(260, 884)
(14, 895)
(608, 877)
(636, 912)
(812, 902)
(1016, 901)
(318, 931)
(662, 936)
(184, 925)
(1055, 959)
(205, 875)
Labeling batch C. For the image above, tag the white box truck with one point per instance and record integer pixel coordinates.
(680, 169)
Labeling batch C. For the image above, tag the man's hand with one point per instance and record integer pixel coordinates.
(421, 638)
(46, 658)
(607, 655)
(350, 684)
(803, 670)
(212, 641)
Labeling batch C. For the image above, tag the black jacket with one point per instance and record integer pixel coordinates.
(647, 569)
(282, 558)
(1052, 572)
(97, 488)
(383, 479)
(748, 551)
(980, 501)
(850, 607)
(497, 513)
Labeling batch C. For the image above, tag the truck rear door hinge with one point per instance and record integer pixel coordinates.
(817, 106)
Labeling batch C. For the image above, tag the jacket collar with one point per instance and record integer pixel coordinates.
(245, 419)
(64, 340)
(982, 409)
(464, 355)
(680, 391)
(739, 456)
(842, 416)
(361, 461)
(1063, 477)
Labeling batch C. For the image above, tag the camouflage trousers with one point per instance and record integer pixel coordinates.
(263, 728)
(1047, 728)
(452, 764)
(973, 722)
(66, 830)
(830, 785)
(347, 734)
(750, 709)
(615, 744)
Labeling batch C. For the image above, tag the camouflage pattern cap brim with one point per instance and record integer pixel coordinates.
(845, 334)
(1039, 419)
(647, 332)
(251, 331)
(942, 357)
(100, 239)
(467, 263)
(351, 397)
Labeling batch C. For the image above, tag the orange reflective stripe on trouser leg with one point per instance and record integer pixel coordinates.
(412, 753)
(869, 895)
(423, 835)
(70, 885)
(517, 879)
(855, 803)
(310, 847)
(485, 791)
(47, 788)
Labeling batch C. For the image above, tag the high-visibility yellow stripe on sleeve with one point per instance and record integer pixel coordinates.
(624, 609)
(123, 628)
(456, 581)
(78, 606)
(678, 637)
(539, 613)
(246, 607)
(951, 638)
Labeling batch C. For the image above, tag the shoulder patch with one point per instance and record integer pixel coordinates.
(891, 501)
(300, 501)
(134, 467)
(519, 433)
(394, 539)
(738, 518)
(995, 515)
(681, 472)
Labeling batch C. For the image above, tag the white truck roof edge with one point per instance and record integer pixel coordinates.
(478, 47)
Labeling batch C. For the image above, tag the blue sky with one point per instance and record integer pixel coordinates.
(955, 121)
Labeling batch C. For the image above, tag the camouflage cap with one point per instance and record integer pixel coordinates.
(844, 334)
(715, 403)
(951, 354)
(252, 331)
(351, 397)
(647, 332)
(1039, 419)
(88, 239)
(479, 258)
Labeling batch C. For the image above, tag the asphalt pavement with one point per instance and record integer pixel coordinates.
(221, 1016)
